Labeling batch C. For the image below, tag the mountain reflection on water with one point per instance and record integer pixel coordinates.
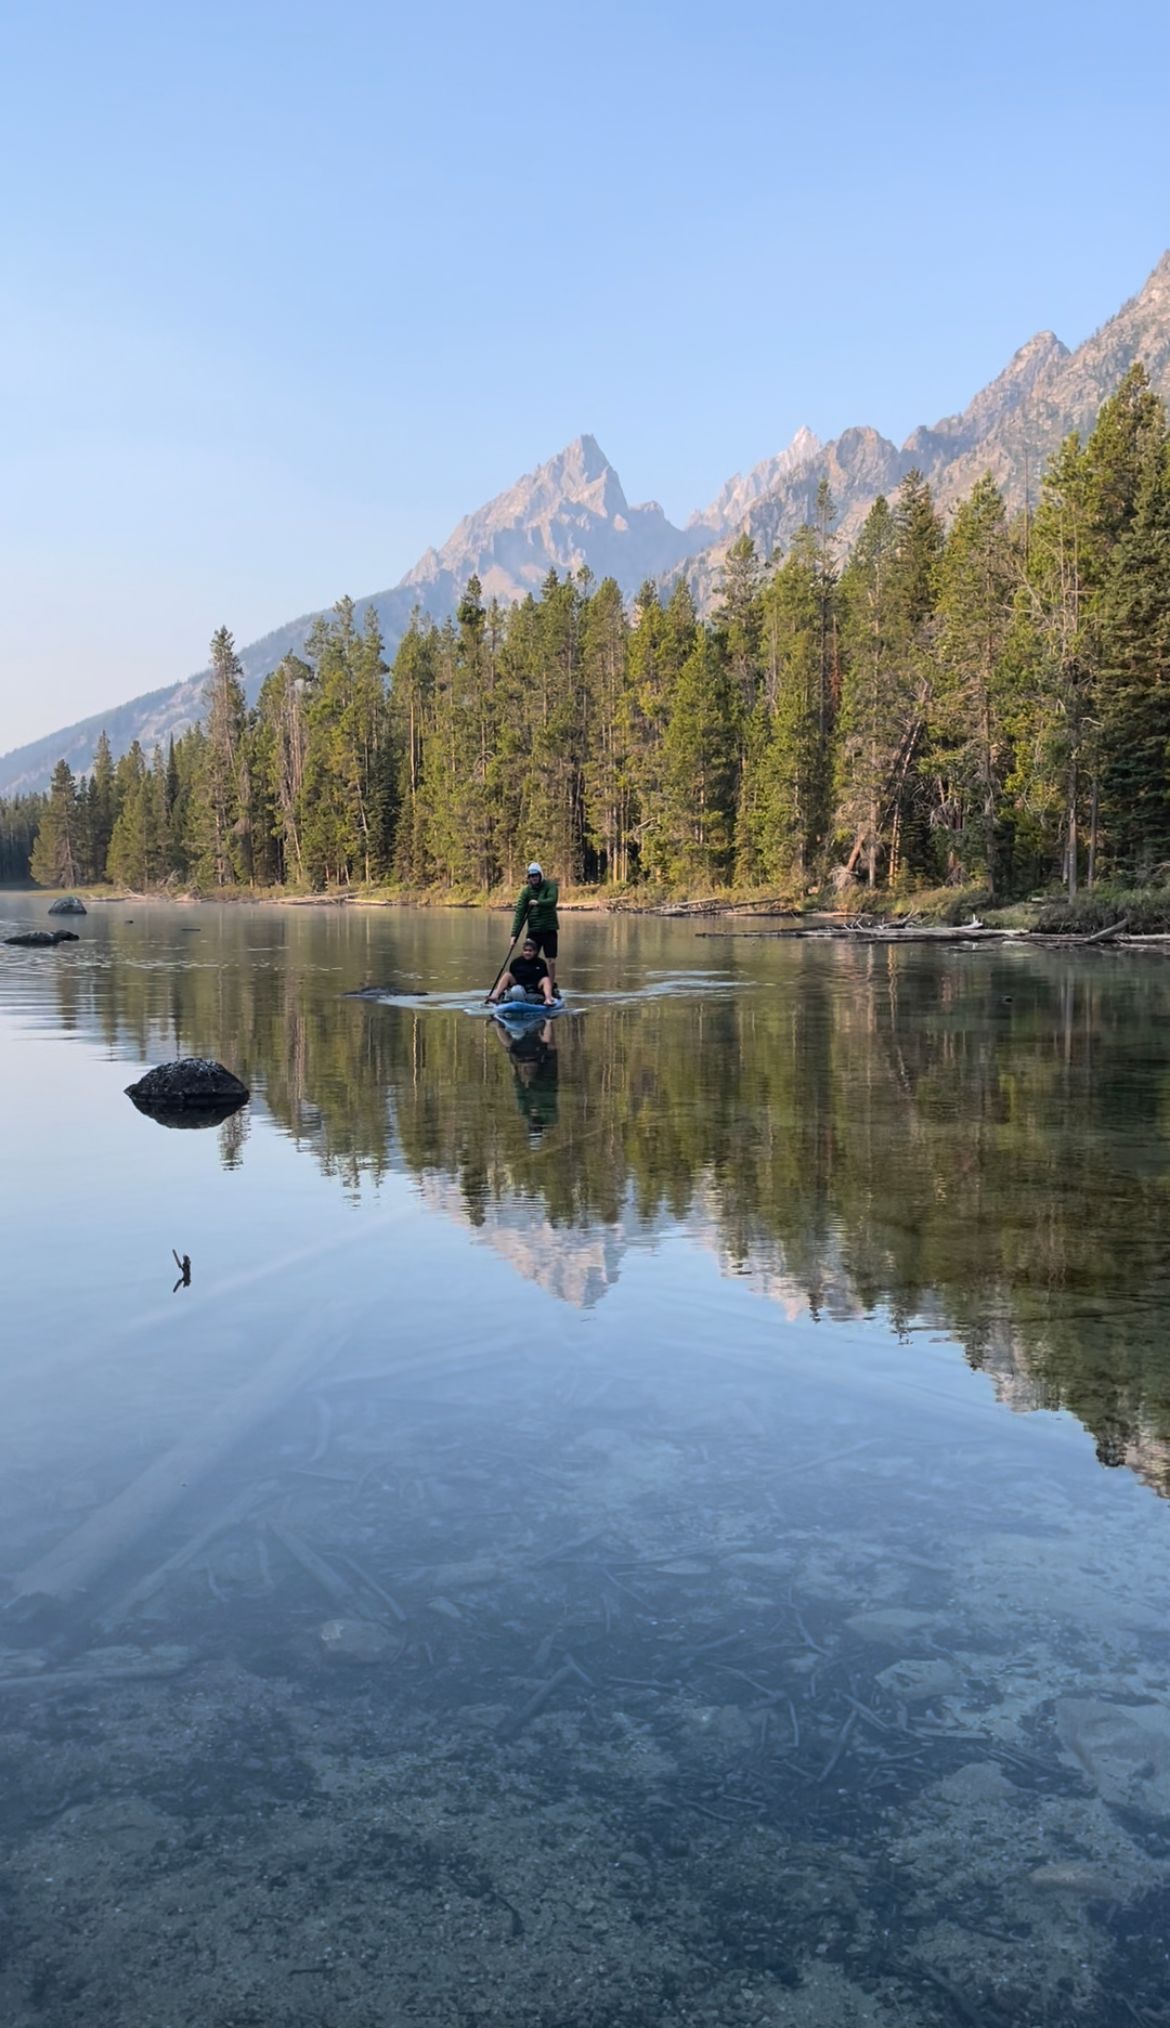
(970, 1141)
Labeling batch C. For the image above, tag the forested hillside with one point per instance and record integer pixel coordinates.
(989, 702)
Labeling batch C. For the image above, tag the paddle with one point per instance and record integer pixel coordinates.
(503, 968)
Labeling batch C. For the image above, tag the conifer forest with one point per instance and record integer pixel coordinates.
(982, 703)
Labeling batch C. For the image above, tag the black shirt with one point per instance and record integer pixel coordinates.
(528, 972)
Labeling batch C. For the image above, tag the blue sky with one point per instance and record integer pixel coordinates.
(288, 289)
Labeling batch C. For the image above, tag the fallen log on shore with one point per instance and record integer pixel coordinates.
(864, 934)
(1115, 933)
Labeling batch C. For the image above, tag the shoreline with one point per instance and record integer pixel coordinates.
(1102, 919)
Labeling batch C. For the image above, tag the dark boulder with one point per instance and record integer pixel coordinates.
(192, 1081)
(42, 940)
(68, 905)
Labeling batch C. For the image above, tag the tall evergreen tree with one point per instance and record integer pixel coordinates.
(970, 753)
(100, 809)
(699, 765)
(874, 702)
(57, 858)
(1134, 608)
(607, 767)
(225, 797)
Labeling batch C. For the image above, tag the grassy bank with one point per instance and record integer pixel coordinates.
(1144, 910)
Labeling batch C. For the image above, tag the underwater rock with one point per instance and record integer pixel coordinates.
(1072, 1877)
(191, 1081)
(920, 1682)
(1123, 1748)
(68, 905)
(977, 1781)
(358, 1641)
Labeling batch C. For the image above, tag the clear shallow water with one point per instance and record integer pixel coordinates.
(663, 1527)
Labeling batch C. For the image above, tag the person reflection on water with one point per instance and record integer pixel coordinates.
(526, 978)
(534, 1061)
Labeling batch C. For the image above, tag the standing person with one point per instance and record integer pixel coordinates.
(537, 906)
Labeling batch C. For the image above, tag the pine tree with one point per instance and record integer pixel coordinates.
(20, 820)
(552, 812)
(1055, 651)
(224, 792)
(130, 858)
(57, 856)
(1134, 613)
(799, 650)
(699, 765)
(874, 702)
(412, 696)
(607, 765)
(971, 756)
(663, 641)
(100, 810)
(342, 820)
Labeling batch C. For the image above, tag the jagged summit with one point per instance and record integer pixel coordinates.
(573, 511)
(729, 507)
(569, 512)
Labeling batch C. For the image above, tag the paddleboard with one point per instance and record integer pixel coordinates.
(522, 1014)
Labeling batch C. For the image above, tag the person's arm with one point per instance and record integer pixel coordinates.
(551, 893)
(521, 915)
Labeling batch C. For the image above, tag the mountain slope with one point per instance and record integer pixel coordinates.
(572, 511)
(1010, 429)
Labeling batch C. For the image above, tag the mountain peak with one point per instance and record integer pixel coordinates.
(730, 506)
(570, 511)
(583, 458)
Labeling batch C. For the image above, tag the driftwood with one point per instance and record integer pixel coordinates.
(1072, 939)
(914, 933)
(968, 933)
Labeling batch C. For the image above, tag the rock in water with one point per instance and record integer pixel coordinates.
(42, 940)
(192, 1081)
(68, 905)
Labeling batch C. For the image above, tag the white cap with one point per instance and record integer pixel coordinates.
(536, 867)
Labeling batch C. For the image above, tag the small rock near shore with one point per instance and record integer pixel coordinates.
(68, 905)
(191, 1081)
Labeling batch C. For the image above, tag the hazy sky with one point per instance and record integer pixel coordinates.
(289, 288)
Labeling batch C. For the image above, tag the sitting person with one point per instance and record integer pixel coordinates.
(526, 978)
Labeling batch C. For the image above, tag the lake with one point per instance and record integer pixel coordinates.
(663, 1523)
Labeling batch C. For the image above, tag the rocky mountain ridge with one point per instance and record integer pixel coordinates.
(572, 511)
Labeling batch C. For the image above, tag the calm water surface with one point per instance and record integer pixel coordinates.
(664, 1525)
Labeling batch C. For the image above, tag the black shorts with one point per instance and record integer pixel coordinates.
(545, 941)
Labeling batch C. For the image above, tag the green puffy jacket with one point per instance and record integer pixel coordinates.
(536, 906)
